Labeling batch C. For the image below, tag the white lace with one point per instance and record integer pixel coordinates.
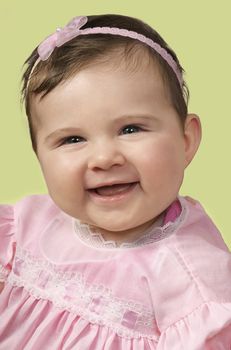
(153, 234)
(70, 291)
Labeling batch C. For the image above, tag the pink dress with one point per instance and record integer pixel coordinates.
(66, 288)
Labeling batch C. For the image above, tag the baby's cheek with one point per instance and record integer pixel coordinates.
(165, 163)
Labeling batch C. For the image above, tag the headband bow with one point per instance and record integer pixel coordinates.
(61, 36)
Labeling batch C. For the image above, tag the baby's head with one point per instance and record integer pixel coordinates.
(122, 108)
(88, 50)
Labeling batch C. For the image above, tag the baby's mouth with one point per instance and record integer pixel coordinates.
(113, 189)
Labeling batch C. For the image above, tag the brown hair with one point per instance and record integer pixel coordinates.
(84, 50)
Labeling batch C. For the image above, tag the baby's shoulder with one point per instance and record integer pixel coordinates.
(28, 207)
(191, 267)
(32, 214)
(200, 248)
(35, 205)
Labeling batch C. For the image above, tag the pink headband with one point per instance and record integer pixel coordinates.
(72, 30)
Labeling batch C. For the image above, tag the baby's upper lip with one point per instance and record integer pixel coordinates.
(110, 183)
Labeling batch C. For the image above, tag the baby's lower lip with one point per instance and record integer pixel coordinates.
(115, 197)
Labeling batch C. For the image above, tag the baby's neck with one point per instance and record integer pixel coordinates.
(130, 235)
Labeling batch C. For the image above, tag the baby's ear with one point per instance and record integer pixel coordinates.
(192, 136)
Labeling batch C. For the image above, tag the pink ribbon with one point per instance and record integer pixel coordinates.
(60, 37)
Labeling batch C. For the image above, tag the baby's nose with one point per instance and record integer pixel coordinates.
(104, 155)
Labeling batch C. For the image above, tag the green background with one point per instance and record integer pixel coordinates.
(199, 32)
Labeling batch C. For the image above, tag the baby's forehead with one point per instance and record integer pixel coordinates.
(100, 79)
(102, 94)
(119, 70)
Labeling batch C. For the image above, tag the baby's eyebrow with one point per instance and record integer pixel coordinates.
(136, 118)
(146, 117)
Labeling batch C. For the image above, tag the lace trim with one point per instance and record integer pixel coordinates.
(3, 273)
(153, 234)
(70, 291)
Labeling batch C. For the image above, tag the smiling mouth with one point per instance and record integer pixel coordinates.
(113, 190)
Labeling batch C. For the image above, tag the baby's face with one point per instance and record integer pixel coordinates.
(111, 126)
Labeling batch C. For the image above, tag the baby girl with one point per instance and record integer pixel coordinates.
(112, 257)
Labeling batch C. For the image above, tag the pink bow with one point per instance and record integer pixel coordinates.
(60, 37)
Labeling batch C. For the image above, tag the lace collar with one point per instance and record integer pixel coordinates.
(154, 233)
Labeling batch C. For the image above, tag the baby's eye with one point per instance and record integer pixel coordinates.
(71, 140)
(130, 129)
